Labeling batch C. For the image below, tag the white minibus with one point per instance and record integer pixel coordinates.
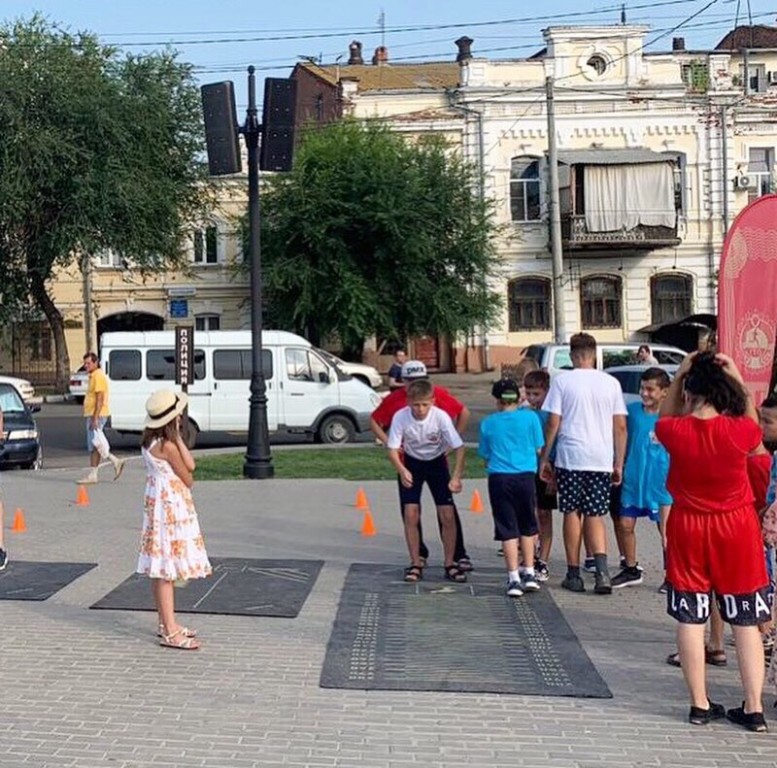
(305, 394)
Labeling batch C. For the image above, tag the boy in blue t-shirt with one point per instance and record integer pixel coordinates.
(644, 492)
(536, 385)
(510, 442)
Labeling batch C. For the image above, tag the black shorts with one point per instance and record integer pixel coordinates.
(513, 500)
(545, 499)
(582, 491)
(434, 473)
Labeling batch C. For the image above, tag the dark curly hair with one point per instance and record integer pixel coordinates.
(707, 379)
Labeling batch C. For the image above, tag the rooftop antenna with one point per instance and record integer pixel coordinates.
(623, 13)
(382, 25)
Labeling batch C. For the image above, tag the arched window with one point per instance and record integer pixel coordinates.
(525, 189)
(671, 296)
(528, 302)
(601, 301)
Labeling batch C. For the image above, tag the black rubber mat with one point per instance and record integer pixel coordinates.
(441, 636)
(237, 586)
(25, 580)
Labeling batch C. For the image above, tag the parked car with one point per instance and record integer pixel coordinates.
(365, 373)
(630, 376)
(20, 444)
(555, 357)
(22, 386)
(79, 383)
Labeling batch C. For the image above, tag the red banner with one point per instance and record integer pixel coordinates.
(747, 294)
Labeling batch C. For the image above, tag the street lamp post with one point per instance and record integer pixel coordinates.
(258, 461)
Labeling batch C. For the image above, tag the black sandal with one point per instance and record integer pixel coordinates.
(453, 573)
(414, 573)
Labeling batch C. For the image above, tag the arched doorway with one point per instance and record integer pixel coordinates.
(129, 321)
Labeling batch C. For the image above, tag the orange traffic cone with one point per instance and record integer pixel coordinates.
(361, 499)
(82, 497)
(368, 526)
(476, 505)
(19, 526)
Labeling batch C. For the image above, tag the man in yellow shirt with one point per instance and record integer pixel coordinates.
(96, 413)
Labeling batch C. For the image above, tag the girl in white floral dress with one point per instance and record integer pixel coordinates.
(171, 545)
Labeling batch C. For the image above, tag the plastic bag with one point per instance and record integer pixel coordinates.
(100, 443)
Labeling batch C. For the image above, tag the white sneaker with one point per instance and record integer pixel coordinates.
(529, 583)
(514, 589)
(118, 468)
(90, 479)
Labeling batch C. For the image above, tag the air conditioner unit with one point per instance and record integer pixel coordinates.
(771, 77)
(743, 182)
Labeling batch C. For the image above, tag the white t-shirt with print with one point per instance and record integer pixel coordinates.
(424, 440)
(586, 400)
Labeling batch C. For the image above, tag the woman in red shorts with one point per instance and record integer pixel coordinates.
(709, 425)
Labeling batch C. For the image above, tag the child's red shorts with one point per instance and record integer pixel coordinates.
(720, 552)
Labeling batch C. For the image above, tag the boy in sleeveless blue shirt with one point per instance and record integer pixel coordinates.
(644, 492)
(510, 442)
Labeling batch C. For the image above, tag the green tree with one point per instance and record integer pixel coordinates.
(97, 151)
(371, 234)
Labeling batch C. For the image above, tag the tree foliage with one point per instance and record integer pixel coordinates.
(371, 234)
(97, 151)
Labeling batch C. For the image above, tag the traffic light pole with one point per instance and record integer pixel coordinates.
(258, 460)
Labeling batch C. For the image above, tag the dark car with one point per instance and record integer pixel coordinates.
(20, 446)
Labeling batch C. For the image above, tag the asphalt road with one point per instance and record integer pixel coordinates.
(61, 428)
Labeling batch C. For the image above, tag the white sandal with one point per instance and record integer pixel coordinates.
(183, 643)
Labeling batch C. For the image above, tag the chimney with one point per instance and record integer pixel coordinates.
(355, 53)
(464, 44)
(678, 43)
(381, 55)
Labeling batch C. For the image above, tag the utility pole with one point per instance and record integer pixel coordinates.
(559, 329)
(86, 273)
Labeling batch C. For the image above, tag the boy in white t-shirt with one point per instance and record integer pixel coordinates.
(587, 422)
(425, 434)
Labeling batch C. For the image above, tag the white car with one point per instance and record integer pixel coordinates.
(79, 383)
(23, 387)
(365, 373)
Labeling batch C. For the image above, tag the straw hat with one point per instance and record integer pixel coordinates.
(164, 406)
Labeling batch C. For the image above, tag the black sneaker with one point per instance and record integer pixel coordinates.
(541, 570)
(628, 577)
(664, 588)
(573, 584)
(602, 583)
(3, 559)
(589, 565)
(699, 716)
(753, 721)
(623, 564)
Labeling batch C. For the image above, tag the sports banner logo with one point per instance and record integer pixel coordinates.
(747, 294)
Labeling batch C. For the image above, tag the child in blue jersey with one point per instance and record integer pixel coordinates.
(510, 442)
(536, 385)
(644, 492)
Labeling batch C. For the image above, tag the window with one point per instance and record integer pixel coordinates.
(206, 243)
(40, 341)
(124, 365)
(601, 302)
(598, 64)
(304, 365)
(696, 75)
(760, 168)
(670, 297)
(233, 364)
(160, 364)
(525, 189)
(207, 323)
(109, 258)
(756, 78)
(528, 302)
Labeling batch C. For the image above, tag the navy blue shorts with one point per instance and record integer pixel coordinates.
(434, 473)
(583, 491)
(513, 501)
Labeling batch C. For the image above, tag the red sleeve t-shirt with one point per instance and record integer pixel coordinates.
(397, 400)
(708, 460)
(447, 402)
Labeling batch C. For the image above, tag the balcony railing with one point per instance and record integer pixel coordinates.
(575, 235)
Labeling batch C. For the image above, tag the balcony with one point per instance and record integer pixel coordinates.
(576, 236)
(619, 200)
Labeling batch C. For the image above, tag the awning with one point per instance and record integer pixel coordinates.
(636, 156)
(700, 321)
